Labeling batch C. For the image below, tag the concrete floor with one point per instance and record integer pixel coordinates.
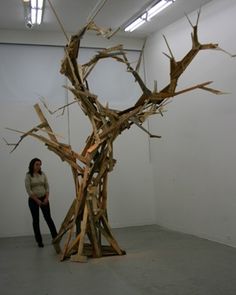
(158, 261)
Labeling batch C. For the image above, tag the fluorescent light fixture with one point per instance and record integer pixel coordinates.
(33, 12)
(33, 15)
(158, 8)
(148, 14)
(37, 11)
(40, 4)
(134, 25)
(39, 16)
(34, 3)
(27, 14)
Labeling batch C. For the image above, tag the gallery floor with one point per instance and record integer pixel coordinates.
(158, 262)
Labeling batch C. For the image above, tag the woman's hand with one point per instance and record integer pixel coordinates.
(40, 203)
(34, 197)
(45, 201)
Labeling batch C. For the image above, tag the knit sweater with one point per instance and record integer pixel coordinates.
(36, 185)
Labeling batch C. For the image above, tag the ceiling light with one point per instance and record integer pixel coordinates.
(39, 16)
(135, 24)
(147, 14)
(33, 12)
(27, 14)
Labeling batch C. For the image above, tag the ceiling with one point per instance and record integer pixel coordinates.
(115, 13)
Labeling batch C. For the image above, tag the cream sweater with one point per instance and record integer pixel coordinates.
(36, 185)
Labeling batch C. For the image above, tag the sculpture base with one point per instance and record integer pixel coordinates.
(88, 252)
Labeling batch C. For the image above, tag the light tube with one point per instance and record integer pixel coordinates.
(34, 4)
(158, 8)
(36, 11)
(148, 14)
(39, 16)
(137, 23)
(40, 4)
(33, 15)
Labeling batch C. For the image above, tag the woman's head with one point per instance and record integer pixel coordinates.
(35, 166)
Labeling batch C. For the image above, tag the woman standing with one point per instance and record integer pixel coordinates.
(37, 187)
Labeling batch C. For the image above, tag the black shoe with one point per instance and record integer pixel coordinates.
(41, 245)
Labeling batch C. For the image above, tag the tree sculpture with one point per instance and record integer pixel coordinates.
(87, 216)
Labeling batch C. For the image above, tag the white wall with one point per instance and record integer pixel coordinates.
(58, 39)
(28, 72)
(194, 164)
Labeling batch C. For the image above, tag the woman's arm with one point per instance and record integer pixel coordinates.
(46, 185)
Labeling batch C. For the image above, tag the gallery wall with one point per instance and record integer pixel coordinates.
(194, 164)
(29, 72)
(184, 181)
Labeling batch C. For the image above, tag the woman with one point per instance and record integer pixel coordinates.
(37, 187)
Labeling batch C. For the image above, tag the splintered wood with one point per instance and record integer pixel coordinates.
(86, 227)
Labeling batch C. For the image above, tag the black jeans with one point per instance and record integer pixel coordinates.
(34, 209)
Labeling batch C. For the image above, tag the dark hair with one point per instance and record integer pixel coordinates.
(31, 166)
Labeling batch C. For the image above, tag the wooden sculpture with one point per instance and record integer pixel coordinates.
(87, 217)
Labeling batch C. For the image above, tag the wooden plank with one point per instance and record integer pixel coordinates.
(44, 120)
(67, 219)
(63, 255)
(73, 245)
(94, 236)
(111, 240)
(79, 257)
